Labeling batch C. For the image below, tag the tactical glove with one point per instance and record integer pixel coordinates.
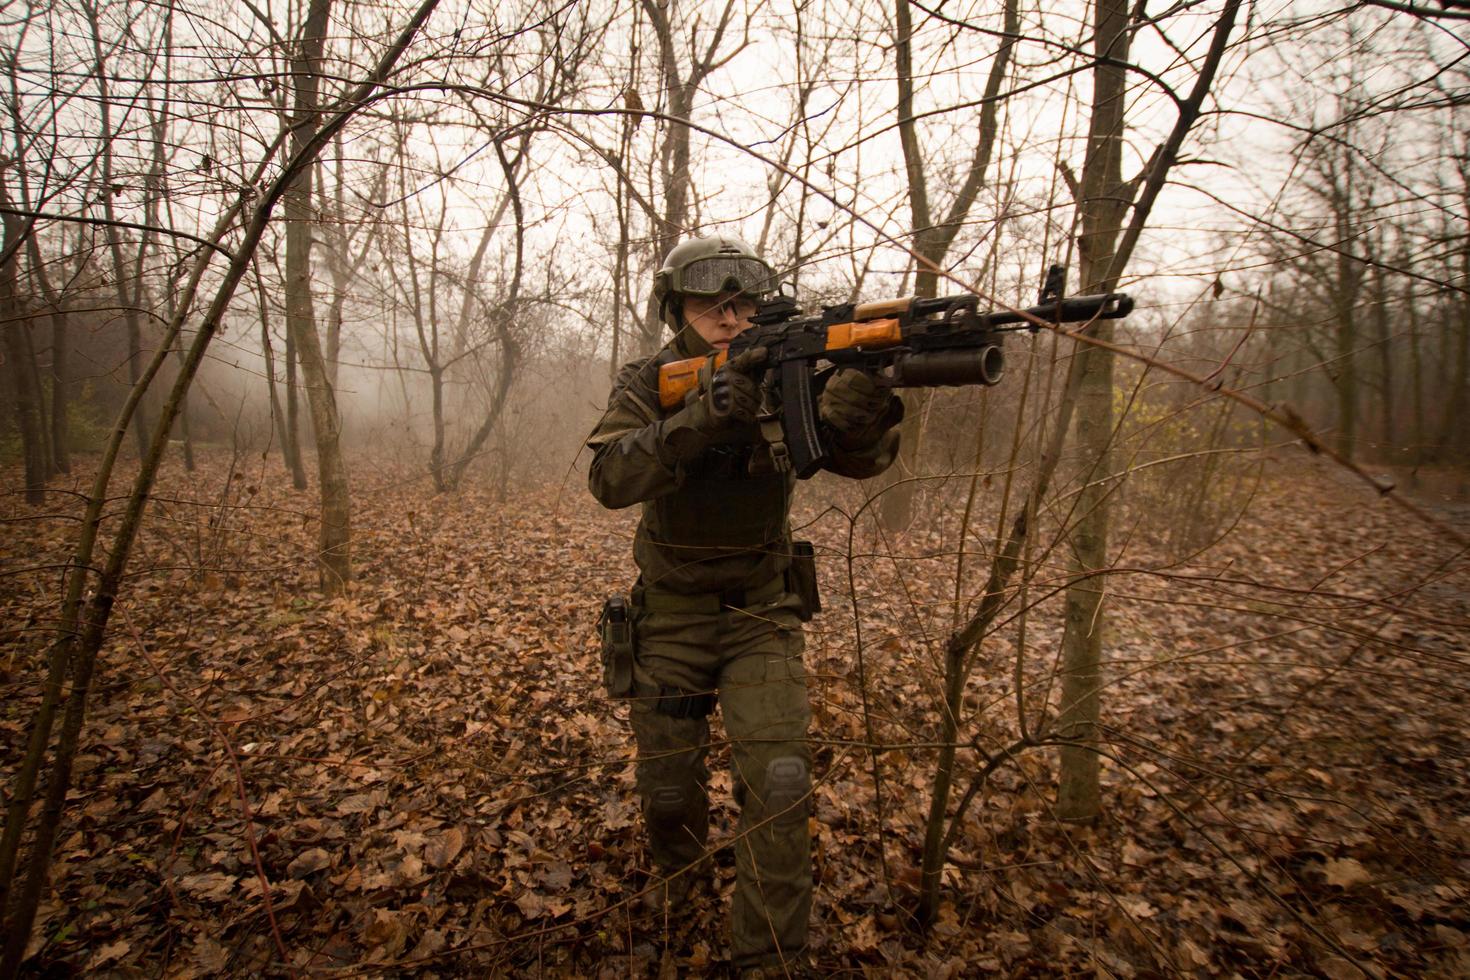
(733, 396)
(725, 403)
(857, 409)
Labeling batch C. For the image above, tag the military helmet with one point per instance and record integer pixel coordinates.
(708, 267)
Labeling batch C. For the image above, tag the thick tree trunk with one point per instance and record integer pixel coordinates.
(14, 323)
(1078, 795)
(1102, 209)
(334, 555)
(1105, 200)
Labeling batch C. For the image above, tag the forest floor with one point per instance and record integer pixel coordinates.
(427, 778)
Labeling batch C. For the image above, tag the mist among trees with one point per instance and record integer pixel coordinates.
(308, 307)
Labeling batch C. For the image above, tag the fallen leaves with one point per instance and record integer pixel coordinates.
(444, 848)
(433, 774)
(209, 886)
(308, 862)
(1345, 873)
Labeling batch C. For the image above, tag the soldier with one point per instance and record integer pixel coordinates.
(721, 596)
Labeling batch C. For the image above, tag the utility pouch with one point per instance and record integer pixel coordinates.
(616, 628)
(801, 579)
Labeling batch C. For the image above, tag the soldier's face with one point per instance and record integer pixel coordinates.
(719, 319)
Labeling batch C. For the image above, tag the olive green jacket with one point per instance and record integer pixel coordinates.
(717, 522)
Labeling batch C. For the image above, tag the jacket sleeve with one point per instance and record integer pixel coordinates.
(629, 461)
(862, 462)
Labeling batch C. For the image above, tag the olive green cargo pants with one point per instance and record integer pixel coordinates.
(753, 658)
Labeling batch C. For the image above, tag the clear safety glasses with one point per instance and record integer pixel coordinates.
(724, 273)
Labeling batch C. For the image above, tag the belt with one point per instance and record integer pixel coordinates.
(710, 603)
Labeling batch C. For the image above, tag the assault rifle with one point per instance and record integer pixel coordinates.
(901, 343)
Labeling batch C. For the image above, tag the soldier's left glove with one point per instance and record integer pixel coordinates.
(857, 409)
(732, 392)
(721, 409)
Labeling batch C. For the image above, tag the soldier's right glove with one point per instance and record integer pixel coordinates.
(722, 408)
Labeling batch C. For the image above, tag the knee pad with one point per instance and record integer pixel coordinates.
(788, 789)
(669, 806)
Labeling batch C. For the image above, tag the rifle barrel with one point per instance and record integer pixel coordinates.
(1070, 309)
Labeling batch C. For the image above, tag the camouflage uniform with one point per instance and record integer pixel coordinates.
(714, 615)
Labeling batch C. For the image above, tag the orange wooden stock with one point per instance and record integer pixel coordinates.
(678, 378)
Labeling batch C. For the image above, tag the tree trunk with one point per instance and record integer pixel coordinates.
(60, 392)
(1102, 208)
(674, 153)
(285, 431)
(292, 442)
(1416, 378)
(32, 363)
(1388, 429)
(334, 556)
(503, 317)
(128, 300)
(680, 88)
(186, 435)
(896, 505)
(1104, 201)
(1454, 436)
(1348, 271)
(27, 407)
(59, 443)
(14, 323)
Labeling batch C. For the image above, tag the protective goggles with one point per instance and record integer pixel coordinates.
(724, 273)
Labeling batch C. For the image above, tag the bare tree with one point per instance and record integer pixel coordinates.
(92, 591)
(127, 284)
(347, 244)
(19, 355)
(682, 73)
(501, 316)
(334, 556)
(932, 238)
(1103, 202)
